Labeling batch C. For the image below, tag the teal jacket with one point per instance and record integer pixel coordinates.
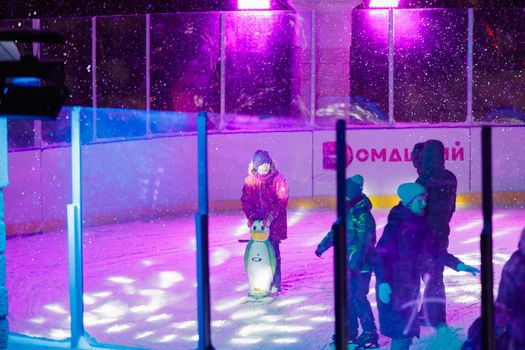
(271, 254)
(360, 235)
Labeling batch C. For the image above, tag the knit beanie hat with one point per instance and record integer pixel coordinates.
(261, 157)
(408, 191)
(354, 186)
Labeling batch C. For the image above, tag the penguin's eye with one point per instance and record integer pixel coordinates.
(254, 227)
(263, 228)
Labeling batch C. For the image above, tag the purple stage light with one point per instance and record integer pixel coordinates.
(253, 4)
(382, 3)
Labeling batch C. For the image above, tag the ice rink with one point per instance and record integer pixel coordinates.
(140, 286)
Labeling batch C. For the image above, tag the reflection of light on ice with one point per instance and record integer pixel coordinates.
(272, 318)
(219, 323)
(239, 315)
(144, 334)
(240, 230)
(147, 262)
(219, 256)
(313, 307)
(470, 225)
(88, 300)
(155, 318)
(120, 279)
(157, 300)
(296, 216)
(118, 328)
(112, 309)
(321, 319)
(228, 304)
(242, 287)
(167, 338)
(296, 317)
(102, 294)
(467, 288)
(56, 308)
(184, 325)
(59, 334)
(499, 233)
(501, 257)
(290, 301)
(249, 330)
(285, 340)
(194, 337)
(38, 320)
(466, 299)
(245, 341)
(169, 278)
(93, 320)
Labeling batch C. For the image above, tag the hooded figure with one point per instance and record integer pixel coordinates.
(441, 186)
(265, 197)
(512, 291)
(360, 242)
(417, 156)
(405, 242)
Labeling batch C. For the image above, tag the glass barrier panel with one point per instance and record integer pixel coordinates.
(185, 69)
(268, 291)
(121, 75)
(263, 54)
(139, 240)
(37, 256)
(430, 65)
(76, 53)
(369, 67)
(499, 56)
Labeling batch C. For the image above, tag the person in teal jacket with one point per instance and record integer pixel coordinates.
(360, 240)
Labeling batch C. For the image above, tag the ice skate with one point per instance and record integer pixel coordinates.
(367, 340)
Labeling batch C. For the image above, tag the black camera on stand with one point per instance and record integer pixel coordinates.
(30, 88)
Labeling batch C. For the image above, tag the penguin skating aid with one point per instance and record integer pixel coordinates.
(259, 261)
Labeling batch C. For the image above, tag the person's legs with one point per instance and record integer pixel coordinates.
(401, 343)
(433, 307)
(352, 325)
(276, 284)
(361, 303)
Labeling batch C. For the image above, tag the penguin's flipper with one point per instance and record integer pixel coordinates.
(271, 256)
(247, 254)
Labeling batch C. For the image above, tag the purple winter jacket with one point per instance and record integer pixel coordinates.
(267, 195)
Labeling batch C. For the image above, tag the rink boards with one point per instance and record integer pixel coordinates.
(128, 180)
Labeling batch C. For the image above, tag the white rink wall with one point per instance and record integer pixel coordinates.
(132, 178)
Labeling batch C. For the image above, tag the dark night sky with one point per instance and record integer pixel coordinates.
(69, 8)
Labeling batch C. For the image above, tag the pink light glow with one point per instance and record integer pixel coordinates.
(253, 4)
(381, 3)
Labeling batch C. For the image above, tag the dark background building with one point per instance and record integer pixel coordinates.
(69, 8)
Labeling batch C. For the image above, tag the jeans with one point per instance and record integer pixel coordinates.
(277, 276)
(358, 304)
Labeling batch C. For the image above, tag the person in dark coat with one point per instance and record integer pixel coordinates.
(265, 197)
(360, 242)
(417, 157)
(405, 242)
(511, 293)
(441, 187)
(501, 330)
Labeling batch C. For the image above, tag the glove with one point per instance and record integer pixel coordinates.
(268, 221)
(318, 252)
(384, 292)
(467, 268)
